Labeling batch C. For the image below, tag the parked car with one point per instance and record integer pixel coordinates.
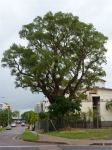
(13, 124)
(22, 124)
(18, 121)
(8, 127)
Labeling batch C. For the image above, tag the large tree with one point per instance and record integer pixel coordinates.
(61, 56)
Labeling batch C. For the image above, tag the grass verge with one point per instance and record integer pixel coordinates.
(84, 134)
(29, 136)
(2, 129)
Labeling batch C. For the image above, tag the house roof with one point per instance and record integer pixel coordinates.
(103, 88)
(102, 80)
(94, 89)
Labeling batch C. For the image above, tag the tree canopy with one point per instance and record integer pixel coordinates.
(16, 113)
(62, 55)
(43, 115)
(63, 106)
(5, 117)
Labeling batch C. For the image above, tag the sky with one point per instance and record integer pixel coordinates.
(15, 13)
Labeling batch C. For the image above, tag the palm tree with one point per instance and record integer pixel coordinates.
(109, 105)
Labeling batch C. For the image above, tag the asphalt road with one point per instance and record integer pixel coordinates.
(86, 148)
(55, 147)
(7, 138)
(8, 142)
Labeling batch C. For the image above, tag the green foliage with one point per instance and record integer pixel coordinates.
(43, 115)
(63, 106)
(30, 117)
(29, 136)
(84, 134)
(63, 55)
(4, 117)
(16, 114)
(109, 105)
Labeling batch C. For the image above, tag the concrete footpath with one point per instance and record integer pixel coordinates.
(43, 138)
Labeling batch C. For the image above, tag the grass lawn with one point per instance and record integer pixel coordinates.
(2, 129)
(84, 134)
(29, 136)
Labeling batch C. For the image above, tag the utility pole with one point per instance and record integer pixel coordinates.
(8, 115)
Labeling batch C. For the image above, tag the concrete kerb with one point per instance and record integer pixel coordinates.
(16, 137)
(52, 139)
(68, 141)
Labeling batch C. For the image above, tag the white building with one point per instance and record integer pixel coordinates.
(43, 106)
(96, 102)
(38, 108)
(46, 105)
(4, 106)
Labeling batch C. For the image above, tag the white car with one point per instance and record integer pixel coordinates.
(22, 124)
(8, 127)
(13, 124)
